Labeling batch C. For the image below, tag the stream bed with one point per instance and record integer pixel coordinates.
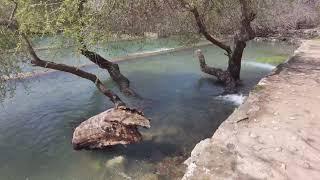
(185, 106)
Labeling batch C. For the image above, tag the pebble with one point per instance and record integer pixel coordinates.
(294, 138)
(283, 166)
(292, 118)
(278, 149)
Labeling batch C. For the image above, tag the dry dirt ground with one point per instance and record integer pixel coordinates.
(275, 134)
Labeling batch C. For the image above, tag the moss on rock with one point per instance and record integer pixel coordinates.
(275, 60)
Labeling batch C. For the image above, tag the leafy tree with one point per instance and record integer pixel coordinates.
(26, 19)
(239, 17)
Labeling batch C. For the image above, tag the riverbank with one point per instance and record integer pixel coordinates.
(295, 37)
(274, 134)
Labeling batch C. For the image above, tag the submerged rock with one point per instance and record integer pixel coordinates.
(112, 127)
(116, 162)
(150, 176)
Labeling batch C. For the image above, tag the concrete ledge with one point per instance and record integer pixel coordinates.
(132, 56)
(275, 133)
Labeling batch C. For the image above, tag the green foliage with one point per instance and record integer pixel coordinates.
(275, 60)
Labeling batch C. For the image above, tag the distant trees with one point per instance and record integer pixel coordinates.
(283, 15)
(242, 20)
(231, 76)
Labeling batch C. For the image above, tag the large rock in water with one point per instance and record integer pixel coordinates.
(112, 127)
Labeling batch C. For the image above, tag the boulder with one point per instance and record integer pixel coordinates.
(112, 127)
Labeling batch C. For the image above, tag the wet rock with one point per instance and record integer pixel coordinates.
(112, 127)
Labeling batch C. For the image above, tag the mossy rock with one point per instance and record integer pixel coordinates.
(275, 60)
(258, 88)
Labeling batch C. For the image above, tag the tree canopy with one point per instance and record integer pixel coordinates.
(93, 22)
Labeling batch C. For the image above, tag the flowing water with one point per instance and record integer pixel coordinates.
(185, 106)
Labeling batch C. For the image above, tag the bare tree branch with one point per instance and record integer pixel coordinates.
(10, 24)
(36, 61)
(247, 17)
(203, 29)
(113, 68)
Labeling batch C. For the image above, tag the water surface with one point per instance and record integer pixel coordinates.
(36, 125)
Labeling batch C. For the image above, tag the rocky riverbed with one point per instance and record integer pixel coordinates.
(274, 134)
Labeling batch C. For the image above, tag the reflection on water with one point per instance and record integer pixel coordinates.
(36, 125)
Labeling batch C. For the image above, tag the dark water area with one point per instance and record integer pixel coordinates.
(185, 106)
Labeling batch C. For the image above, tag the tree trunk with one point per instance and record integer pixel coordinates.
(36, 61)
(113, 69)
(231, 76)
(234, 63)
(118, 125)
(222, 76)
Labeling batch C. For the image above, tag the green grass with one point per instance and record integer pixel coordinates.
(275, 60)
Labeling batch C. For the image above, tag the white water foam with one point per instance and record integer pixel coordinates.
(260, 65)
(236, 99)
(153, 51)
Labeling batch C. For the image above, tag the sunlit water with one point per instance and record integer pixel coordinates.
(185, 106)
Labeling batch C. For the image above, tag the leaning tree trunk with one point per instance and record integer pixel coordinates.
(36, 61)
(118, 125)
(113, 69)
(222, 76)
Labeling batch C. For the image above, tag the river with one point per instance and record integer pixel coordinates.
(185, 106)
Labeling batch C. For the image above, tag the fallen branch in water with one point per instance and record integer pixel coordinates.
(112, 127)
